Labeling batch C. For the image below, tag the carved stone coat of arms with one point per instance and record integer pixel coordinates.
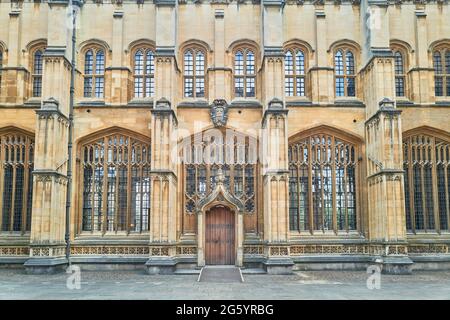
(219, 112)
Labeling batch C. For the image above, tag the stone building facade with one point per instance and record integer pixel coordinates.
(166, 134)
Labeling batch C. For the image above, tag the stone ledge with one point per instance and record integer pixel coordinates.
(45, 265)
(161, 265)
(278, 265)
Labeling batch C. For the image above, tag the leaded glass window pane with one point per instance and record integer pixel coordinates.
(17, 161)
(425, 158)
(331, 164)
(106, 163)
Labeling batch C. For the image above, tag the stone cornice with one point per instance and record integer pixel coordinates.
(162, 108)
(387, 111)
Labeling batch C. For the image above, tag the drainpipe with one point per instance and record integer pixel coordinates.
(70, 138)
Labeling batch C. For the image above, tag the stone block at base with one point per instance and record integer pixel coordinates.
(45, 265)
(166, 265)
(278, 265)
(395, 264)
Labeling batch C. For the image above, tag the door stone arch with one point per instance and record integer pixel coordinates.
(220, 196)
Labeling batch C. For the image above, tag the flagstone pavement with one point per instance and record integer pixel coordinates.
(136, 284)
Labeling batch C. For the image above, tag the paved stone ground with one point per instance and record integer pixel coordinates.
(220, 274)
(15, 284)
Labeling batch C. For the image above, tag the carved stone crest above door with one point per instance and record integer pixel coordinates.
(219, 112)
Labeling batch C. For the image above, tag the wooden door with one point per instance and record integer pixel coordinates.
(219, 239)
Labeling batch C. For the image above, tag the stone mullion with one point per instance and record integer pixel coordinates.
(105, 187)
(141, 172)
(13, 196)
(424, 196)
(345, 181)
(129, 180)
(412, 216)
(433, 159)
(447, 195)
(310, 197)
(117, 167)
(25, 185)
(333, 184)
(92, 191)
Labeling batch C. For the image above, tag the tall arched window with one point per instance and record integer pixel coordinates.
(37, 73)
(294, 72)
(427, 182)
(344, 66)
(194, 73)
(16, 152)
(116, 184)
(441, 63)
(399, 74)
(144, 73)
(244, 73)
(233, 153)
(322, 184)
(94, 73)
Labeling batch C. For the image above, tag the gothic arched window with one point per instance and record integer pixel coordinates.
(294, 72)
(344, 66)
(116, 184)
(441, 64)
(427, 182)
(94, 73)
(399, 74)
(16, 152)
(322, 184)
(144, 73)
(194, 73)
(206, 154)
(37, 73)
(244, 73)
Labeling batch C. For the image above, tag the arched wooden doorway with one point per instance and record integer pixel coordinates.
(220, 231)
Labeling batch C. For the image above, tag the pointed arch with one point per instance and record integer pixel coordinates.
(142, 56)
(114, 171)
(426, 162)
(323, 181)
(339, 132)
(16, 190)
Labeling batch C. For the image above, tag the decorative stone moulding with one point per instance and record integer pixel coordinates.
(219, 112)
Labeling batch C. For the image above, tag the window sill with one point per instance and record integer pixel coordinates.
(34, 102)
(141, 102)
(298, 102)
(111, 238)
(349, 102)
(245, 103)
(91, 103)
(193, 103)
(327, 237)
(404, 102)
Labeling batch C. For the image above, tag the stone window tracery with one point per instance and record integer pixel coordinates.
(441, 64)
(244, 73)
(94, 73)
(37, 69)
(16, 153)
(144, 73)
(294, 70)
(116, 184)
(194, 61)
(344, 65)
(234, 154)
(322, 184)
(427, 182)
